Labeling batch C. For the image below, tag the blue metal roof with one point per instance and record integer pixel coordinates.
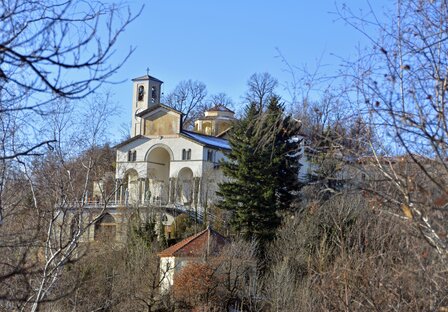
(208, 140)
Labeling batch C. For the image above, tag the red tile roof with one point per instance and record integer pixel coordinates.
(195, 246)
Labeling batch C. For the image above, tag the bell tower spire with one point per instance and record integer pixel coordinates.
(147, 91)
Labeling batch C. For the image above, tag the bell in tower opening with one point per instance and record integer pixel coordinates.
(146, 94)
(153, 94)
(141, 93)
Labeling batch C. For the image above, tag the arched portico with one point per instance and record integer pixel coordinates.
(157, 184)
(185, 186)
(131, 187)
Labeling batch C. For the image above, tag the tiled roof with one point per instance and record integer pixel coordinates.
(219, 108)
(216, 118)
(146, 77)
(196, 245)
(154, 107)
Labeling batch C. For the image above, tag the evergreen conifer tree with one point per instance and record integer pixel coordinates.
(262, 168)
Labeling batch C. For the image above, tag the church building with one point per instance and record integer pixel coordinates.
(164, 164)
(162, 170)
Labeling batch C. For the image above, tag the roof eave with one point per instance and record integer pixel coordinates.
(139, 136)
(146, 77)
(153, 108)
(202, 143)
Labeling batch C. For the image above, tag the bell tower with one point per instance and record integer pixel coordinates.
(146, 93)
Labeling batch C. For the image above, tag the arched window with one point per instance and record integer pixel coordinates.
(141, 93)
(153, 94)
(207, 128)
(186, 154)
(105, 228)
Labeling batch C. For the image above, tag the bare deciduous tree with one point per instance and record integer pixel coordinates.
(189, 98)
(117, 277)
(228, 280)
(45, 222)
(220, 99)
(261, 87)
(403, 84)
(51, 54)
(51, 50)
(347, 255)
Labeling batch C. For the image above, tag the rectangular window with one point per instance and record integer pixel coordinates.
(132, 155)
(210, 155)
(186, 154)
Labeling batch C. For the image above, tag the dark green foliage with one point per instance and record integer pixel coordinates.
(284, 146)
(334, 147)
(262, 168)
(163, 242)
(184, 226)
(145, 232)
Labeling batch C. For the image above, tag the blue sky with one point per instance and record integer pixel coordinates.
(222, 43)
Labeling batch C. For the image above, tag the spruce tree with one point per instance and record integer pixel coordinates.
(262, 171)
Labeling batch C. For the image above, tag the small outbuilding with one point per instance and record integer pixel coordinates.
(195, 248)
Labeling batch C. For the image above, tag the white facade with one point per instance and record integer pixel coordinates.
(161, 163)
(167, 270)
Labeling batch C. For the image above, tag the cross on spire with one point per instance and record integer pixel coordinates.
(147, 71)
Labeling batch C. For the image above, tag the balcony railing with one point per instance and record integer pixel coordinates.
(92, 203)
(111, 204)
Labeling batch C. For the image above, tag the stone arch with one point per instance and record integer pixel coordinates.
(105, 228)
(207, 127)
(185, 185)
(158, 160)
(167, 223)
(156, 146)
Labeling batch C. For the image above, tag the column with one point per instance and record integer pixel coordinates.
(117, 190)
(196, 182)
(172, 190)
(123, 192)
(147, 195)
(141, 190)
